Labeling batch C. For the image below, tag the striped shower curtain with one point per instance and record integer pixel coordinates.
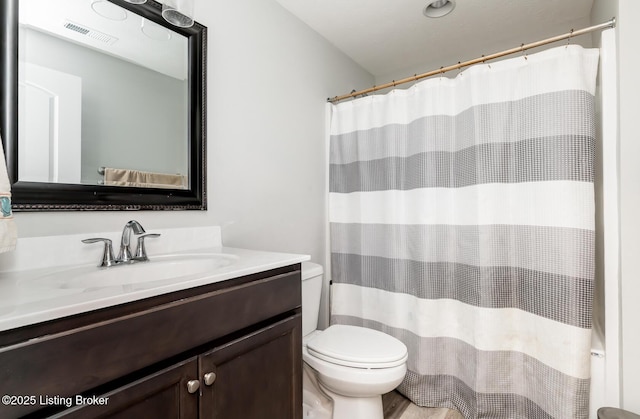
(462, 222)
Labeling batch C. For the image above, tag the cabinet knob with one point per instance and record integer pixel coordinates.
(193, 386)
(209, 378)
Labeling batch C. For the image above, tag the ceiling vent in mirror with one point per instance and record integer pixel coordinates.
(439, 8)
(90, 33)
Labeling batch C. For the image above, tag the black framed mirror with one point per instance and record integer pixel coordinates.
(136, 138)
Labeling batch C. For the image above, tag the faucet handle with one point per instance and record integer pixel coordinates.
(107, 255)
(141, 252)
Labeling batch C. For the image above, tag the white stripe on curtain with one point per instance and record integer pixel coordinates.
(461, 218)
(533, 203)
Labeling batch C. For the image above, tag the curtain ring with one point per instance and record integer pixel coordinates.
(485, 62)
(522, 51)
(569, 38)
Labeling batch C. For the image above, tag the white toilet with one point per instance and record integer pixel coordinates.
(346, 368)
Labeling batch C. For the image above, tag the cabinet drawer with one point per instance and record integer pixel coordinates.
(77, 360)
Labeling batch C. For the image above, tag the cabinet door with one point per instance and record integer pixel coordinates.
(257, 376)
(163, 394)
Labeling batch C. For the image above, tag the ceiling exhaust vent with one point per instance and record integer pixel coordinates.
(91, 33)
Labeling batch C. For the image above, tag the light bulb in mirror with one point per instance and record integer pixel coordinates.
(178, 12)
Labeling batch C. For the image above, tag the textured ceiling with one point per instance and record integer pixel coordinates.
(385, 36)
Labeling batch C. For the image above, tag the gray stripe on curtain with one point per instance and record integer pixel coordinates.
(538, 248)
(533, 160)
(489, 384)
(472, 405)
(474, 126)
(510, 287)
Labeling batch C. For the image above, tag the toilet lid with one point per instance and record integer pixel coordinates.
(355, 346)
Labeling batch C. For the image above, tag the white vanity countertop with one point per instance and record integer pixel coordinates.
(24, 300)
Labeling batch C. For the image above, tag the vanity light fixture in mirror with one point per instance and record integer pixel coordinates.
(178, 12)
(104, 132)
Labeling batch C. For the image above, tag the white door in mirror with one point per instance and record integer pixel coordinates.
(50, 125)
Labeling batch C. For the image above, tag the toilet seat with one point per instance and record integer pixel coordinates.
(357, 347)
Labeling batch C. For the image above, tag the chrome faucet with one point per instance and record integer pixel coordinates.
(125, 241)
(125, 246)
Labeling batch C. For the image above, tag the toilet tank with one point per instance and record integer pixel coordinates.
(311, 291)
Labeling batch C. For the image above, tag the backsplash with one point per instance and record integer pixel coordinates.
(51, 251)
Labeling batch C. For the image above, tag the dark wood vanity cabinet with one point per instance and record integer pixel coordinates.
(224, 351)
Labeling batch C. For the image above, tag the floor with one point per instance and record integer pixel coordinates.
(396, 406)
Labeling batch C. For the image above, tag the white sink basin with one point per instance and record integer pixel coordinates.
(176, 268)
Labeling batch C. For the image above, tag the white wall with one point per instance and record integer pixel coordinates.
(607, 304)
(627, 13)
(269, 76)
(629, 90)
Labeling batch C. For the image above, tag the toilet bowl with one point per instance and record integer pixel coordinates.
(351, 366)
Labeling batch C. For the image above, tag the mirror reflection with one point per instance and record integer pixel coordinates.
(103, 97)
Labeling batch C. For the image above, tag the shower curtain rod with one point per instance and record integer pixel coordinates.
(609, 24)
